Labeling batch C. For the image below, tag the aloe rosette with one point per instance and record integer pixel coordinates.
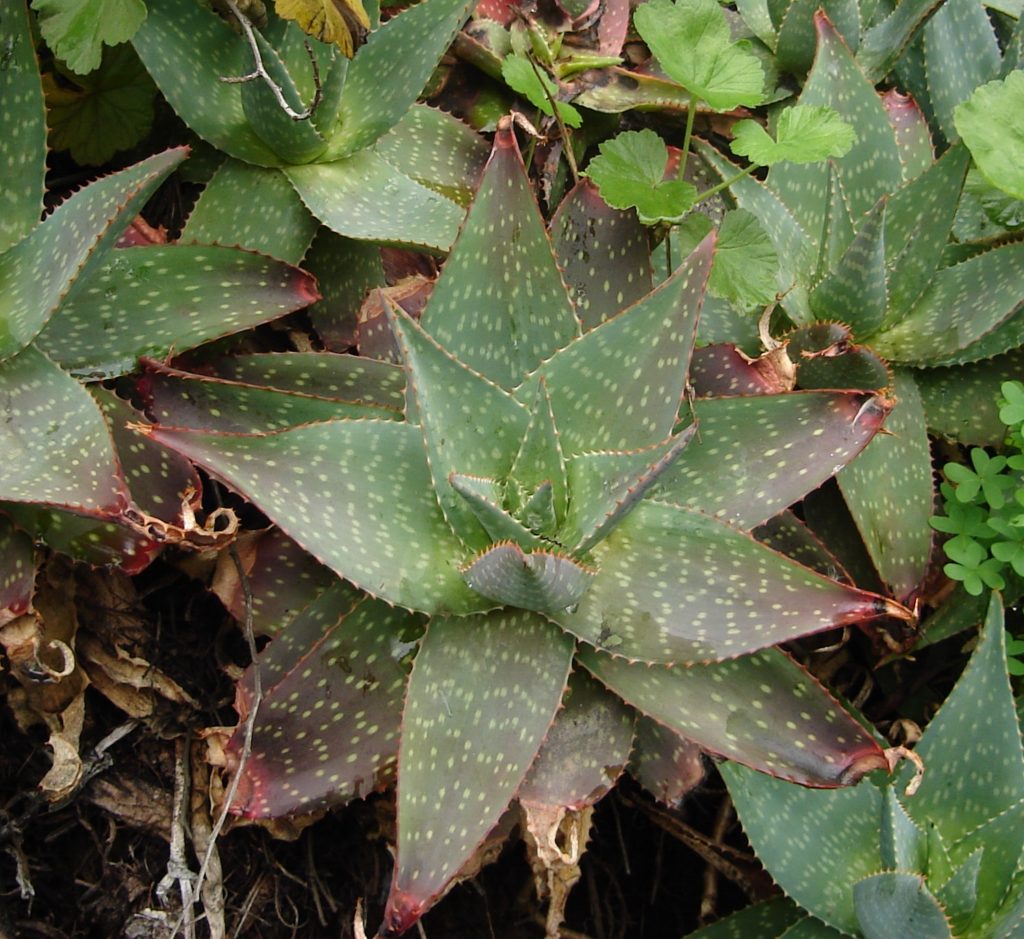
(545, 500)
(75, 307)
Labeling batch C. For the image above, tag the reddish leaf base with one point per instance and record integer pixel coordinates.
(401, 913)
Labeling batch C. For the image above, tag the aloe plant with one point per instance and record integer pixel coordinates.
(866, 240)
(333, 138)
(882, 860)
(543, 502)
(74, 307)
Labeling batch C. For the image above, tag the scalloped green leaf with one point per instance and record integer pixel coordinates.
(898, 903)
(991, 124)
(177, 31)
(22, 129)
(482, 696)
(437, 150)
(251, 207)
(756, 455)
(77, 30)
(585, 751)
(365, 197)
(803, 134)
(58, 449)
(500, 305)
(603, 253)
(398, 548)
(470, 425)
(334, 685)
(831, 839)
(620, 386)
(155, 299)
(69, 244)
(390, 70)
(890, 492)
(691, 40)
(700, 591)
(539, 580)
(762, 710)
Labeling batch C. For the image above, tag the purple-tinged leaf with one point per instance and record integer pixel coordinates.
(855, 368)
(437, 150)
(470, 425)
(755, 456)
(356, 494)
(667, 765)
(890, 492)
(365, 197)
(620, 386)
(788, 535)
(390, 70)
(500, 305)
(722, 370)
(17, 571)
(179, 399)
(898, 903)
(913, 137)
(22, 129)
(701, 591)
(251, 207)
(540, 460)
(177, 31)
(762, 710)
(158, 479)
(603, 253)
(586, 749)
(872, 168)
(613, 27)
(321, 374)
(68, 244)
(345, 271)
(541, 580)
(482, 696)
(327, 730)
(57, 447)
(604, 488)
(484, 498)
(167, 298)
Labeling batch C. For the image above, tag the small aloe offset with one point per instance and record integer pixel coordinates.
(885, 859)
(546, 500)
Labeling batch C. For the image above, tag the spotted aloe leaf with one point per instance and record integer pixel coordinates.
(271, 219)
(540, 580)
(152, 300)
(68, 244)
(666, 764)
(24, 149)
(540, 460)
(788, 535)
(771, 919)
(884, 41)
(485, 499)
(913, 137)
(18, 571)
(494, 683)
(334, 683)
(398, 548)
(603, 254)
(898, 902)
(674, 617)
(503, 236)
(795, 44)
(763, 710)
(722, 370)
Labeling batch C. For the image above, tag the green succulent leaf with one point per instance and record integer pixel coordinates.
(629, 172)
(991, 123)
(913, 136)
(155, 299)
(762, 710)
(390, 70)
(22, 129)
(254, 208)
(603, 253)
(365, 197)
(679, 616)
(77, 30)
(69, 244)
(502, 265)
(18, 570)
(621, 385)
(398, 548)
(794, 45)
(484, 498)
(482, 696)
(803, 134)
(904, 846)
(334, 686)
(692, 42)
(770, 919)
(99, 114)
(540, 459)
(540, 580)
(958, 895)
(997, 845)
(898, 903)
(531, 81)
(790, 536)
(665, 763)
(756, 455)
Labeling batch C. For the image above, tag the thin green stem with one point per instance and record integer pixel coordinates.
(570, 157)
(691, 114)
(725, 184)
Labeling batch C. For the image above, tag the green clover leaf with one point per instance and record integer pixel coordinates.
(534, 84)
(973, 567)
(986, 478)
(803, 134)
(1011, 410)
